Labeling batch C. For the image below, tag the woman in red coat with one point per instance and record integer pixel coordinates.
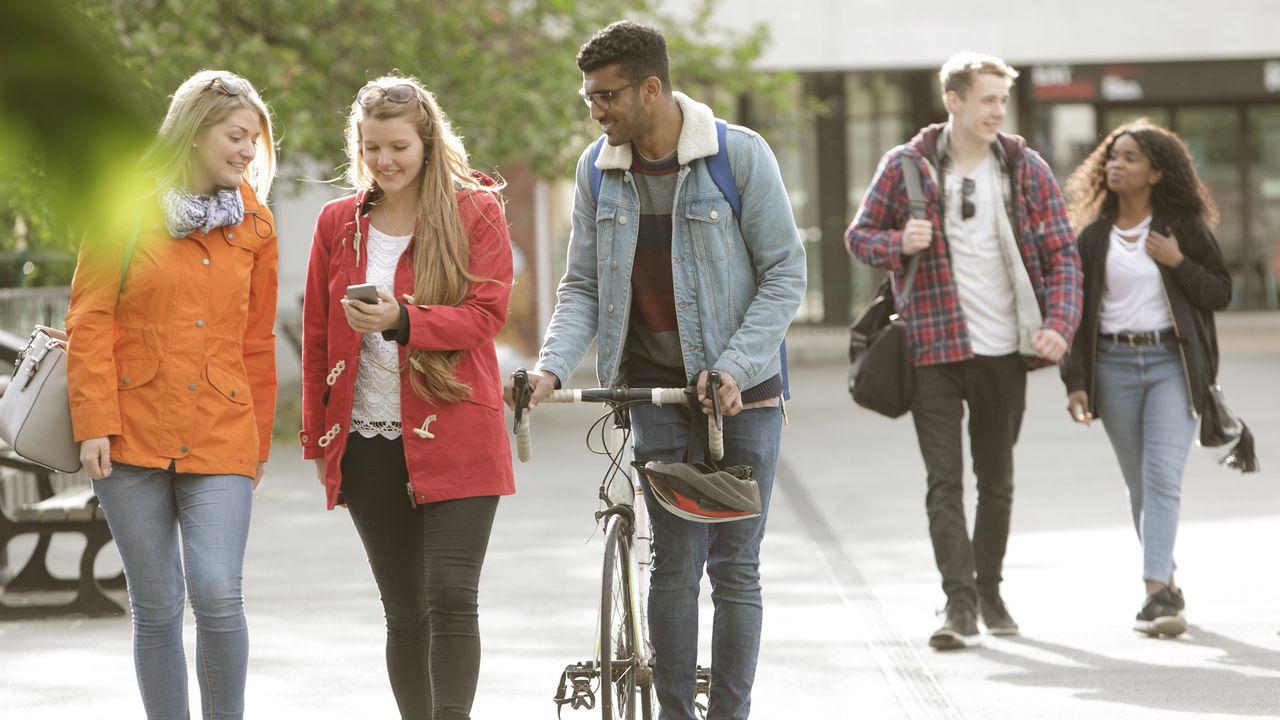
(401, 398)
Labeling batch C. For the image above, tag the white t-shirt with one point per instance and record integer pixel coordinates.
(982, 281)
(1134, 299)
(376, 407)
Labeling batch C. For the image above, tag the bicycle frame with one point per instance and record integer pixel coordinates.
(624, 504)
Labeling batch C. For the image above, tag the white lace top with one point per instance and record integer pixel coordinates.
(377, 392)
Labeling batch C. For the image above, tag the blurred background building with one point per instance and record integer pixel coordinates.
(1209, 71)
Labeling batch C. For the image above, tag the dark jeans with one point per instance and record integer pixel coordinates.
(426, 562)
(995, 390)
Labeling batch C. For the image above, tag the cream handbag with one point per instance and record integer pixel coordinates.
(35, 409)
(35, 414)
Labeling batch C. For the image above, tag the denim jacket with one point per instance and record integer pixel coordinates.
(738, 284)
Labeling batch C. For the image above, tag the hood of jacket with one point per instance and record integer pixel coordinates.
(931, 143)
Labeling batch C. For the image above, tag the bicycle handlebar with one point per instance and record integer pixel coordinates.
(522, 392)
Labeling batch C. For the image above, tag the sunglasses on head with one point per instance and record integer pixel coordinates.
(228, 85)
(371, 93)
(967, 208)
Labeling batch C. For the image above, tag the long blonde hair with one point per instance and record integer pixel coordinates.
(202, 101)
(441, 249)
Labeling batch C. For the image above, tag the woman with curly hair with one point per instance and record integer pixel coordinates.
(1146, 352)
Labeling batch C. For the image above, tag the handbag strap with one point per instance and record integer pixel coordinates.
(915, 198)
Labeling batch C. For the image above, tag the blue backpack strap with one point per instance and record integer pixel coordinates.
(722, 173)
(595, 174)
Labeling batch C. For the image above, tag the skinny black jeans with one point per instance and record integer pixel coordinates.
(427, 562)
(995, 389)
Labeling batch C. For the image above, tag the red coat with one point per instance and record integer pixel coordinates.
(452, 450)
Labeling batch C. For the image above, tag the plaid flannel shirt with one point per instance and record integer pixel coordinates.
(936, 328)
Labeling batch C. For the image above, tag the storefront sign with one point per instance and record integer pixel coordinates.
(1226, 80)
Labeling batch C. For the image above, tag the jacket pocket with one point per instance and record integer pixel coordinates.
(133, 373)
(709, 227)
(228, 383)
(606, 219)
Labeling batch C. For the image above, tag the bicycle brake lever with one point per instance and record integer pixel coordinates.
(520, 395)
(713, 392)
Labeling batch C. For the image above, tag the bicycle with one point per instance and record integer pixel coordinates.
(623, 626)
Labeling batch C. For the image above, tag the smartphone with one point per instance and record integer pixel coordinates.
(368, 292)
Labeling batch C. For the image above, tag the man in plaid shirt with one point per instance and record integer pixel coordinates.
(998, 291)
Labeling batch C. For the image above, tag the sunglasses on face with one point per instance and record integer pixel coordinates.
(601, 98)
(967, 208)
(371, 93)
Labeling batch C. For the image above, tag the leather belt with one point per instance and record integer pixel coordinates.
(1140, 339)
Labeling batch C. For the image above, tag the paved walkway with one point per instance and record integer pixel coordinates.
(849, 580)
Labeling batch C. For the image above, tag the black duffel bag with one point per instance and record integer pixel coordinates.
(881, 374)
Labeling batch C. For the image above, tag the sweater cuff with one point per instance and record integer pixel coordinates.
(399, 333)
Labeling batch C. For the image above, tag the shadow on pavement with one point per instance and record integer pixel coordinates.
(1185, 689)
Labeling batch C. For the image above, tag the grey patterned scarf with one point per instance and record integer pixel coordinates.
(185, 213)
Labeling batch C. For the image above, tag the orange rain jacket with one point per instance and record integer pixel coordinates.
(183, 368)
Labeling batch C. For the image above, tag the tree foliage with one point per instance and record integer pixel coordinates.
(503, 69)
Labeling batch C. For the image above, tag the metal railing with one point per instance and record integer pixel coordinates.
(23, 308)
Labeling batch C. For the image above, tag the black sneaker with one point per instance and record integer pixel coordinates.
(959, 631)
(995, 615)
(1163, 614)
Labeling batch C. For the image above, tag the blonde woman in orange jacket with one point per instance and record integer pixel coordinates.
(171, 369)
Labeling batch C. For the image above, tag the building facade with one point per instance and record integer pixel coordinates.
(864, 80)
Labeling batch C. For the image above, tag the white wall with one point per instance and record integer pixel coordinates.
(903, 34)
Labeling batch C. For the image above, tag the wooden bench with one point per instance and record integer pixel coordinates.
(73, 510)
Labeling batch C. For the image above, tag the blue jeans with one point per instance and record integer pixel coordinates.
(1143, 404)
(731, 553)
(146, 508)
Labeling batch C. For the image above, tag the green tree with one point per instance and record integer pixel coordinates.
(503, 69)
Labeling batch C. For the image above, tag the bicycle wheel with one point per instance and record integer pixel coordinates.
(618, 640)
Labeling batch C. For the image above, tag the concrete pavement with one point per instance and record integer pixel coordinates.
(850, 586)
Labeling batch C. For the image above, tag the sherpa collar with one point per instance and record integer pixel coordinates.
(697, 138)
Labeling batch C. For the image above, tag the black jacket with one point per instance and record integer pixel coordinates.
(1199, 285)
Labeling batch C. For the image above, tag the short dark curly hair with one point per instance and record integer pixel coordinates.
(638, 50)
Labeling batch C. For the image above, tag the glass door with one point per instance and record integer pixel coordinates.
(1215, 137)
(1264, 188)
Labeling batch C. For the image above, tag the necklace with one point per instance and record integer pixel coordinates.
(387, 219)
(1132, 238)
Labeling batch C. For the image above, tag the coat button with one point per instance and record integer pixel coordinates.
(199, 323)
(124, 381)
(613, 265)
(184, 449)
(233, 393)
(191, 387)
(714, 215)
(232, 236)
(622, 220)
(205, 261)
(610, 307)
(306, 439)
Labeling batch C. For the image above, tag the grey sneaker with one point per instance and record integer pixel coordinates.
(960, 630)
(1163, 614)
(995, 615)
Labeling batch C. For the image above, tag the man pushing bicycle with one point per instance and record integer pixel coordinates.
(684, 257)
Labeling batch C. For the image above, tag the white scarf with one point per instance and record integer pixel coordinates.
(185, 213)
